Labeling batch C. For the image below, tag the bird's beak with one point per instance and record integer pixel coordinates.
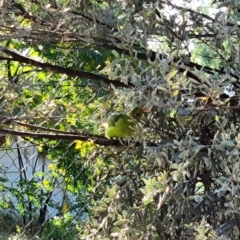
(143, 111)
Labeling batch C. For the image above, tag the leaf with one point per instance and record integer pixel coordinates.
(236, 167)
(135, 81)
(162, 88)
(226, 144)
(111, 191)
(176, 175)
(131, 211)
(176, 142)
(221, 193)
(160, 186)
(115, 234)
(227, 170)
(176, 197)
(234, 189)
(219, 147)
(183, 154)
(175, 93)
(225, 4)
(133, 230)
(120, 222)
(232, 29)
(175, 166)
(121, 179)
(115, 53)
(147, 199)
(116, 229)
(172, 73)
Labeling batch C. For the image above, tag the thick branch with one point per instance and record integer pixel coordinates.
(99, 140)
(57, 69)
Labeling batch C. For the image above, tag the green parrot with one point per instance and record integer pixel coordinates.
(122, 125)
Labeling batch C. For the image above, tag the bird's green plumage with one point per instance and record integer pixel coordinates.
(121, 124)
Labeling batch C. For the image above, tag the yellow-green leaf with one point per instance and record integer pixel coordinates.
(120, 222)
(175, 93)
(172, 74)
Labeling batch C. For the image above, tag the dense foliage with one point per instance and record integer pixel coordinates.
(67, 65)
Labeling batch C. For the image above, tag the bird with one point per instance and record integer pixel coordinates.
(122, 125)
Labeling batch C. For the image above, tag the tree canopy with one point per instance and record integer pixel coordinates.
(68, 65)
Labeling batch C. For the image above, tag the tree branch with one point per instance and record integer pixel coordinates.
(99, 140)
(57, 69)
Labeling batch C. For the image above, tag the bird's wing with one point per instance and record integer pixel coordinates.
(115, 117)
